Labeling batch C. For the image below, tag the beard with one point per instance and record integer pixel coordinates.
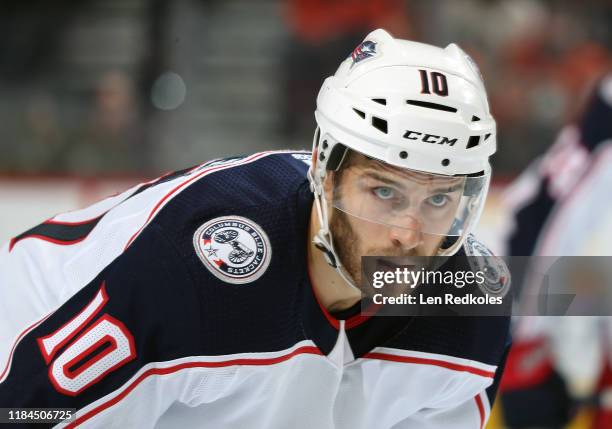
(350, 248)
(346, 245)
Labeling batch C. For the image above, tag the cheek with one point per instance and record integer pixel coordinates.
(367, 232)
(430, 245)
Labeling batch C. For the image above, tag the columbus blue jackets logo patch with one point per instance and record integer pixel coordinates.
(366, 49)
(233, 248)
(496, 273)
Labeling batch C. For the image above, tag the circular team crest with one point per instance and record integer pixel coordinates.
(496, 274)
(233, 248)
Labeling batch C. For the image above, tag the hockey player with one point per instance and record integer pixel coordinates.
(228, 295)
(560, 209)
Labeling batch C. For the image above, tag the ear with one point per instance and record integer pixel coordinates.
(313, 161)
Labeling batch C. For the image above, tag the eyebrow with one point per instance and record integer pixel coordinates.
(383, 179)
(388, 181)
(450, 189)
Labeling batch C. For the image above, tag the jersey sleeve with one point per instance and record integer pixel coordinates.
(101, 351)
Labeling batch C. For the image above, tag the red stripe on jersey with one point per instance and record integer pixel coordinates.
(426, 361)
(332, 321)
(187, 365)
(191, 179)
(59, 241)
(44, 238)
(23, 334)
(358, 319)
(66, 223)
(481, 410)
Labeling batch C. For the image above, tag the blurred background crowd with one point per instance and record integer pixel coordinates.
(95, 87)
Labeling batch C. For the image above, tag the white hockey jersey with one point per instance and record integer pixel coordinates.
(186, 302)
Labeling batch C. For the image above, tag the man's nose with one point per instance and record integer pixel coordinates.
(408, 234)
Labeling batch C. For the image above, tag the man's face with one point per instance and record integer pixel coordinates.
(386, 211)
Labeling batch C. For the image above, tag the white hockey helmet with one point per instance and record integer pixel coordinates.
(413, 106)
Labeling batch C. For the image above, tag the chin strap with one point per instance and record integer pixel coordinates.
(323, 238)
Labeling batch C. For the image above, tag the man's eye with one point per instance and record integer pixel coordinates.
(438, 200)
(384, 192)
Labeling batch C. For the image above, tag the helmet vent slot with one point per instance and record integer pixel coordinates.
(475, 118)
(360, 113)
(382, 101)
(487, 135)
(473, 141)
(429, 105)
(379, 124)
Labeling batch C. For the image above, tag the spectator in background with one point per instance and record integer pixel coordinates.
(111, 138)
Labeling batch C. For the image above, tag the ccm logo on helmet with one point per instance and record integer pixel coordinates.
(429, 138)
